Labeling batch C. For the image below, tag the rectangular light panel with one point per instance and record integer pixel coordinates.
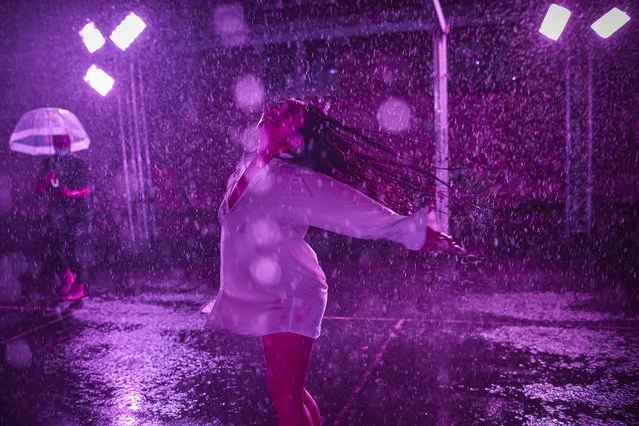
(92, 37)
(554, 22)
(99, 80)
(128, 30)
(610, 22)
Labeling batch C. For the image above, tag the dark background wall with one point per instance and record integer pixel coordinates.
(506, 104)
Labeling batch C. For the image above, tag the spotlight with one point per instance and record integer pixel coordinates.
(394, 115)
(610, 22)
(554, 22)
(230, 24)
(128, 30)
(249, 138)
(99, 80)
(249, 93)
(92, 37)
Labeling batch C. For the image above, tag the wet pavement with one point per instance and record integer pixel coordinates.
(422, 342)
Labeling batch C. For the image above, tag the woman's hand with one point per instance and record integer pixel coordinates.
(49, 177)
(47, 181)
(438, 242)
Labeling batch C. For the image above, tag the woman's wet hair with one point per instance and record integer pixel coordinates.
(366, 160)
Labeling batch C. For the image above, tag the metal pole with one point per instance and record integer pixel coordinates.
(440, 77)
(138, 154)
(589, 180)
(440, 16)
(145, 140)
(134, 168)
(125, 167)
(568, 206)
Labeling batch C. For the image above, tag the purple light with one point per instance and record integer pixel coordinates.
(230, 24)
(128, 30)
(610, 22)
(249, 93)
(394, 115)
(554, 22)
(266, 271)
(92, 37)
(99, 80)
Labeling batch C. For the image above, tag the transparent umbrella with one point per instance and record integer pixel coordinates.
(34, 132)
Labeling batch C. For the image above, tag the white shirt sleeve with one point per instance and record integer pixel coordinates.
(314, 199)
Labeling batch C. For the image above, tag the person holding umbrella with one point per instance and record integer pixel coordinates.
(64, 180)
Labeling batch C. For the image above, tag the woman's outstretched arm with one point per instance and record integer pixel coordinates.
(314, 199)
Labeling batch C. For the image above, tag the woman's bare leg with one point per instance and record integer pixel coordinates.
(288, 356)
(312, 408)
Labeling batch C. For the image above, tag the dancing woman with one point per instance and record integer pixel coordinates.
(309, 170)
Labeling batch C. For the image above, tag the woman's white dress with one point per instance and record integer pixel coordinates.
(271, 280)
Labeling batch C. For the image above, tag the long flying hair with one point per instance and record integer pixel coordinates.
(364, 159)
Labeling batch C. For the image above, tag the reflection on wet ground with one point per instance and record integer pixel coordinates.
(421, 344)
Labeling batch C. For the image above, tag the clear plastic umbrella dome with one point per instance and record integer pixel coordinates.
(33, 133)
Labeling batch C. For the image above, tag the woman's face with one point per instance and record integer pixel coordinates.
(280, 127)
(61, 145)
